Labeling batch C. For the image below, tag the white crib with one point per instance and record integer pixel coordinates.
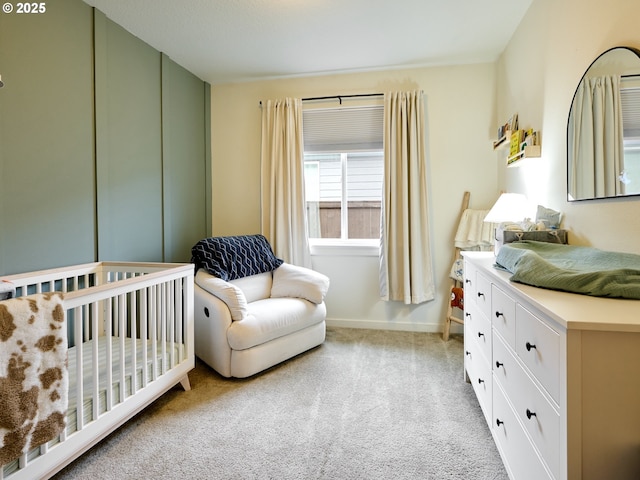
(130, 330)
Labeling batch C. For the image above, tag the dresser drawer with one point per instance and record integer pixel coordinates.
(469, 345)
(503, 315)
(505, 368)
(539, 417)
(521, 458)
(479, 373)
(470, 280)
(538, 345)
(482, 295)
(479, 330)
(468, 363)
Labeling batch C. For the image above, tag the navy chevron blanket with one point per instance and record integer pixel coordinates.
(234, 257)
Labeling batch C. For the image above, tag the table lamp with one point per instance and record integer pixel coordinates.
(509, 208)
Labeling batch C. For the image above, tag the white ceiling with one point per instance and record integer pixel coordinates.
(225, 41)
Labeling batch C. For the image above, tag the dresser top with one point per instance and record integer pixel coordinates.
(571, 310)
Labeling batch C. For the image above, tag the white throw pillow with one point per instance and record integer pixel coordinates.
(231, 295)
(254, 287)
(299, 282)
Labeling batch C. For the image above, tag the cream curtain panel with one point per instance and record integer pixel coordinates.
(597, 138)
(282, 177)
(405, 255)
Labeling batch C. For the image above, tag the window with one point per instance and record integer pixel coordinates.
(343, 194)
(630, 103)
(344, 170)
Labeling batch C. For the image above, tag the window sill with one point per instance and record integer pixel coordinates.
(351, 248)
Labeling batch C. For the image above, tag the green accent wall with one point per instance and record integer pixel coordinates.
(47, 206)
(128, 144)
(184, 146)
(104, 144)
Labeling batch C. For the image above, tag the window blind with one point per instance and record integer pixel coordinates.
(344, 129)
(630, 101)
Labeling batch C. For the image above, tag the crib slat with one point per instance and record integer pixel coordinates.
(79, 356)
(133, 334)
(178, 309)
(172, 325)
(144, 319)
(122, 338)
(76, 286)
(154, 331)
(163, 329)
(108, 324)
(95, 363)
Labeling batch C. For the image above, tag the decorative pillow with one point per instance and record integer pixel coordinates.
(231, 295)
(457, 270)
(299, 282)
(255, 287)
(234, 257)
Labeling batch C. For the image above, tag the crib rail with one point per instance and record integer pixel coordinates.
(130, 331)
(78, 277)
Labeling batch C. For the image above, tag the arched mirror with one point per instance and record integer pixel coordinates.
(603, 131)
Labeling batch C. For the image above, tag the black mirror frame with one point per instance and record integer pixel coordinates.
(634, 50)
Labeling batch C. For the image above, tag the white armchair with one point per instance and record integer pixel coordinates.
(247, 324)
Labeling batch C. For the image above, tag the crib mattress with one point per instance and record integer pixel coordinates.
(143, 370)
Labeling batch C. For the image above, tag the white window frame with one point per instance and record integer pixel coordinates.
(347, 246)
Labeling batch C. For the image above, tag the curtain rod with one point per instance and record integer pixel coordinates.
(340, 97)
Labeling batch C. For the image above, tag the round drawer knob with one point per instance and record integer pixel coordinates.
(530, 414)
(499, 314)
(480, 294)
(480, 334)
(480, 381)
(468, 353)
(529, 346)
(499, 422)
(499, 364)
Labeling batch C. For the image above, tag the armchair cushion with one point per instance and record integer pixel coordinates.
(271, 319)
(229, 293)
(299, 282)
(234, 257)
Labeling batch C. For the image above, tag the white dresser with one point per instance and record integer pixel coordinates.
(557, 376)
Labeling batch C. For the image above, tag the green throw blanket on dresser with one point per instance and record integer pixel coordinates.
(571, 268)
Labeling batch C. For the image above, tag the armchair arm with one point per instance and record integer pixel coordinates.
(299, 282)
(231, 295)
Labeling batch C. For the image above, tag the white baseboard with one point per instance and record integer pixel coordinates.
(383, 325)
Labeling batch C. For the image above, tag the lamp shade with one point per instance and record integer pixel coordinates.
(510, 207)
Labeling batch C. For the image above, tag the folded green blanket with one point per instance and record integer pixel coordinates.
(571, 268)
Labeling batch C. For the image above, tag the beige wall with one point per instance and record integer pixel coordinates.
(537, 76)
(460, 113)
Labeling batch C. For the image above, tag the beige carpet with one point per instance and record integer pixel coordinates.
(367, 404)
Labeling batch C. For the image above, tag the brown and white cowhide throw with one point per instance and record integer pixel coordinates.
(33, 372)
